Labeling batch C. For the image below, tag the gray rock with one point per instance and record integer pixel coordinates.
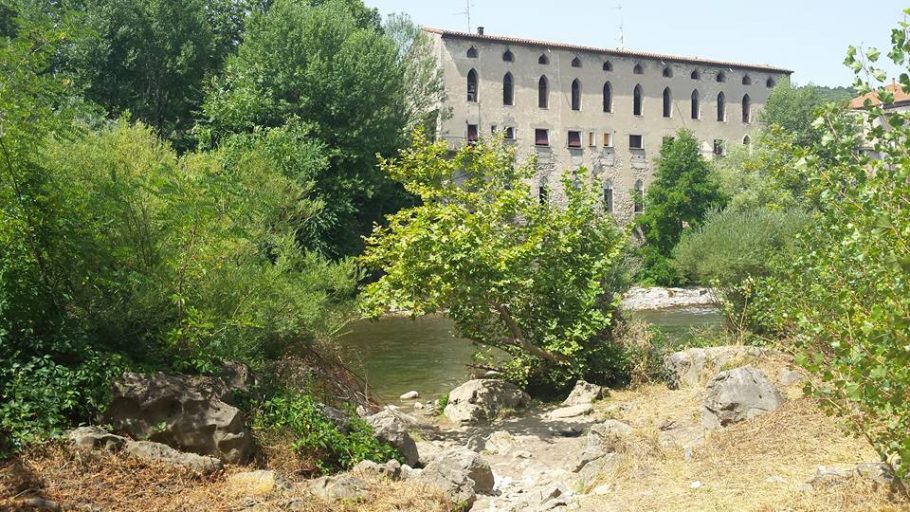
(570, 412)
(830, 476)
(500, 442)
(163, 453)
(410, 395)
(428, 450)
(460, 473)
(254, 483)
(687, 368)
(391, 469)
(584, 393)
(342, 487)
(94, 438)
(482, 400)
(737, 395)
(553, 496)
(187, 413)
(603, 439)
(787, 377)
(388, 427)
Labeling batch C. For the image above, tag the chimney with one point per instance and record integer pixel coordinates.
(480, 31)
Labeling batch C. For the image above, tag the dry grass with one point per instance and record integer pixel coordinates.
(89, 481)
(733, 465)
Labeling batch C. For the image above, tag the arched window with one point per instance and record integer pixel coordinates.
(543, 92)
(696, 108)
(576, 95)
(668, 102)
(608, 196)
(508, 90)
(695, 75)
(769, 83)
(636, 101)
(543, 59)
(638, 69)
(472, 86)
(508, 56)
(721, 107)
(747, 109)
(721, 76)
(576, 62)
(668, 72)
(747, 140)
(638, 204)
(608, 66)
(472, 53)
(747, 80)
(608, 97)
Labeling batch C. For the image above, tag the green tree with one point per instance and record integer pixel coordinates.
(793, 109)
(538, 282)
(683, 191)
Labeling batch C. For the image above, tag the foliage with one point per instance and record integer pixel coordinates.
(538, 282)
(793, 110)
(343, 83)
(683, 191)
(317, 438)
(845, 298)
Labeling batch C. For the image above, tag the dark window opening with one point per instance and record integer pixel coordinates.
(576, 95)
(608, 198)
(668, 102)
(608, 66)
(667, 139)
(718, 147)
(721, 108)
(638, 70)
(543, 93)
(574, 139)
(721, 76)
(747, 109)
(472, 53)
(668, 72)
(769, 83)
(472, 134)
(608, 97)
(638, 199)
(747, 80)
(636, 142)
(472, 86)
(541, 137)
(747, 140)
(576, 62)
(508, 56)
(636, 101)
(696, 109)
(508, 90)
(510, 133)
(543, 193)
(695, 75)
(543, 59)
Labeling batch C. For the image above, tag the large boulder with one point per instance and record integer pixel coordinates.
(162, 453)
(584, 393)
(94, 438)
(388, 427)
(737, 395)
(460, 473)
(481, 400)
(688, 367)
(184, 412)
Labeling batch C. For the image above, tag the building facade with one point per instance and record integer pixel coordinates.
(606, 110)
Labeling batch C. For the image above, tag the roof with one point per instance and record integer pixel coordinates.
(900, 96)
(608, 51)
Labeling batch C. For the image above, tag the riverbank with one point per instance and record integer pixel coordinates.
(660, 298)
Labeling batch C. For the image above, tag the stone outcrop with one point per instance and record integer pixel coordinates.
(253, 483)
(602, 441)
(157, 452)
(391, 469)
(831, 476)
(460, 473)
(737, 395)
(94, 438)
(572, 411)
(388, 427)
(584, 393)
(187, 413)
(341, 487)
(687, 368)
(481, 400)
(656, 298)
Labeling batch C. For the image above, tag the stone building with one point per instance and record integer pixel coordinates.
(899, 104)
(606, 110)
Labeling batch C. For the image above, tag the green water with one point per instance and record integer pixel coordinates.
(396, 355)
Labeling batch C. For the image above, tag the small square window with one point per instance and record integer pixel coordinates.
(472, 134)
(574, 139)
(510, 133)
(719, 149)
(541, 137)
(608, 140)
(636, 142)
(592, 141)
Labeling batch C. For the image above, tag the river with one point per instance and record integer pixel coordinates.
(397, 354)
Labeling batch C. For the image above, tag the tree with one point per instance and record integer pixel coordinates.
(683, 191)
(540, 283)
(793, 109)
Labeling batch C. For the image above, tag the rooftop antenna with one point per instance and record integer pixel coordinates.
(467, 13)
(622, 41)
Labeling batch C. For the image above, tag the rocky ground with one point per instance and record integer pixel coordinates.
(656, 298)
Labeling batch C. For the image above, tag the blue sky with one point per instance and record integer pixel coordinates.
(808, 36)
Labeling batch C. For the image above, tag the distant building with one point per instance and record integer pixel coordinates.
(901, 103)
(607, 110)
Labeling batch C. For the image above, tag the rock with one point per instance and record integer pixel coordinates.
(569, 412)
(419, 406)
(253, 483)
(787, 377)
(551, 497)
(564, 430)
(499, 442)
(338, 417)
(94, 438)
(603, 439)
(492, 374)
(686, 368)
(342, 487)
(187, 413)
(584, 393)
(391, 469)
(460, 473)
(163, 453)
(237, 376)
(37, 503)
(388, 427)
(654, 298)
(612, 428)
(410, 395)
(696, 485)
(830, 476)
(482, 400)
(601, 490)
(428, 451)
(737, 395)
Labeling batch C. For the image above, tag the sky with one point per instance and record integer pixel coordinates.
(808, 36)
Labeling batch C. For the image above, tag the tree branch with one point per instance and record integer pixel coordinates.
(518, 339)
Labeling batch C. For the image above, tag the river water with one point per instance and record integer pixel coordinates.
(397, 354)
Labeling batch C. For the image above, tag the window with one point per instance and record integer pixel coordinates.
(472, 86)
(747, 141)
(638, 69)
(592, 142)
(576, 62)
(510, 133)
(608, 140)
(636, 142)
(608, 97)
(508, 90)
(543, 192)
(574, 139)
(493, 129)
(541, 137)
(769, 83)
(668, 102)
(543, 59)
(638, 197)
(696, 108)
(543, 93)
(719, 147)
(472, 134)
(721, 108)
(508, 56)
(576, 95)
(668, 72)
(667, 139)
(608, 196)
(695, 75)
(472, 53)
(747, 80)
(636, 101)
(747, 109)
(721, 76)
(608, 66)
